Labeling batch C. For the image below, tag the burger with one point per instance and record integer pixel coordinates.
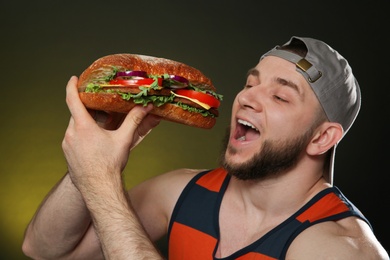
(179, 93)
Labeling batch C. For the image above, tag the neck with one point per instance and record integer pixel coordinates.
(282, 195)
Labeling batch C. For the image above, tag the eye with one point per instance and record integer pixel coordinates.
(278, 98)
(247, 86)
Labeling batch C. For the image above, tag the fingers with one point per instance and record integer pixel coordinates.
(107, 120)
(138, 122)
(76, 107)
(80, 113)
(133, 126)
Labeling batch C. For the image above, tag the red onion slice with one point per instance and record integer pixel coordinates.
(179, 82)
(132, 73)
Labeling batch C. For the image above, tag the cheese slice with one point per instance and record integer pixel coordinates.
(205, 106)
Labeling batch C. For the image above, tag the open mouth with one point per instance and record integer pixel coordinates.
(245, 131)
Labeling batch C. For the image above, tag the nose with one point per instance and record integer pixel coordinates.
(250, 97)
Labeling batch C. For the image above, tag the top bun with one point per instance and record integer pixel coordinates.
(152, 65)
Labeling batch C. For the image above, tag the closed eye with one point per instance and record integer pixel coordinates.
(280, 99)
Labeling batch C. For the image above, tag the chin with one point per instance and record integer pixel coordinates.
(236, 157)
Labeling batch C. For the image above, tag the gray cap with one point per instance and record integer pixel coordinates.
(330, 76)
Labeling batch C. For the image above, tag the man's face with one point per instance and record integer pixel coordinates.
(272, 120)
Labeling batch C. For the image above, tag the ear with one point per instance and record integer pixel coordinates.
(326, 136)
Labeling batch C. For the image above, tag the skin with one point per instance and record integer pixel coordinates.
(89, 215)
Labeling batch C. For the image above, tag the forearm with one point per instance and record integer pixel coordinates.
(59, 224)
(119, 230)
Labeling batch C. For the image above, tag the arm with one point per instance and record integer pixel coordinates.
(96, 158)
(55, 231)
(93, 188)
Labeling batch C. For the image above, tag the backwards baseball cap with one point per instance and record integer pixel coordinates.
(330, 76)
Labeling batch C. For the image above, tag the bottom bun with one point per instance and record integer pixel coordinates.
(170, 112)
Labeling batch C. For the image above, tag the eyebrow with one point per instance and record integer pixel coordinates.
(290, 84)
(254, 72)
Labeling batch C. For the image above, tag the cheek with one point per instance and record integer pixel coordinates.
(285, 125)
(282, 124)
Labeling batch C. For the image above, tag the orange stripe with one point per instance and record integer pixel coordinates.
(213, 180)
(325, 207)
(255, 256)
(188, 243)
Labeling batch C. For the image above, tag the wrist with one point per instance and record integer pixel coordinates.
(101, 191)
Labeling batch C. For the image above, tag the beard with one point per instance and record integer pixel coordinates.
(272, 160)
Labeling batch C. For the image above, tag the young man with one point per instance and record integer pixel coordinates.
(272, 198)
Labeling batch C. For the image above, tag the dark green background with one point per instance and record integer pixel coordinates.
(43, 43)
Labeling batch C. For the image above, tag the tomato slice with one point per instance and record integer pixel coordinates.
(135, 82)
(200, 96)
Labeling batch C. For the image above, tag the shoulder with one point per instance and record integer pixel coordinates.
(349, 238)
(177, 178)
(169, 184)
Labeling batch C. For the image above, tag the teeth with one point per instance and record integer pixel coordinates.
(242, 138)
(246, 123)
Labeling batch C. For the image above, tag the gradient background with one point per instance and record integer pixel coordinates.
(43, 43)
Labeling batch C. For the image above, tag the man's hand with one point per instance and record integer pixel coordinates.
(97, 143)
